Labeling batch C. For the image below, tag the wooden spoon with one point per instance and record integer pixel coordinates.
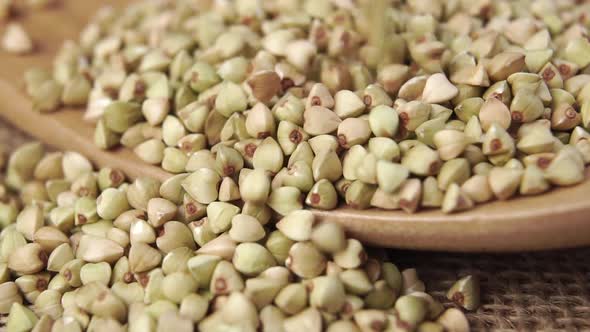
(558, 219)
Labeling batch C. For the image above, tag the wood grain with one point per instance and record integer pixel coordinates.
(559, 219)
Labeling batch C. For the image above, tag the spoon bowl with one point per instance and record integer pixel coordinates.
(558, 219)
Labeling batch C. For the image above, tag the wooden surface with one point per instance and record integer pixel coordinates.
(559, 219)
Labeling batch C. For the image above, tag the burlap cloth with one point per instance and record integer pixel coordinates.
(545, 291)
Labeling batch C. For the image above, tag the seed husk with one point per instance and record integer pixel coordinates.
(110, 178)
(421, 160)
(176, 260)
(384, 121)
(565, 117)
(240, 310)
(193, 307)
(99, 272)
(504, 64)
(536, 141)
(435, 308)
(141, 231)
(32, 285)
(347, 104)
(20, 318)
(49, 303)
(323, 143)
(260, 211)
(454, 320)
(201, 159)
(285, 200)
(49, 238)
(289, 108)
(533, 181)
(55, 187)
(566, 168)
(298, 175)
(268, 156)
(358, 194)
(327, 294)
(432, 196)
(477, 188)
(151, 151)
(174, 234)
(426, 131)
(16, 40)
(384, 148)
(456, 200)
(44, 324)
(297, 225)
(260, 122)
(271, 318)
(310, 318)
(27, 259)
(380, 297)
(231, 98)
(225, 279)
(111, 203)
(11, 241)
(171, 188)
(59, 257)
(411, 309)
(10, 294)
(438, 89)
(453, 171)
(222, 246)
(85, 211)
(156, 309)
(526, 107)
(410, 194)
(303, 152)
(178, 285)
(305, 260)
(319, 120)
(220, 215)
(278, 245)
(255, 187)
(202, 185)
(465, 292)
(326, 165)
(21, 164)
(119, 116)
(504, 182)
(245, 228)
(252, 258)
(261, 291)
(71, 272)
(174, 160)
(289, 136)
(352, 256)
(370, 319)
(201, 267)
(450, 143)
(322, 195)
(160, 211)
(497, 141)
(356, 281)
(353, 131)
(29, 220)
(96, 249)
(342, 325)
(366, 170)
(49, 167)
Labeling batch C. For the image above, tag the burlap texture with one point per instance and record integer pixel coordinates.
(545, 291)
